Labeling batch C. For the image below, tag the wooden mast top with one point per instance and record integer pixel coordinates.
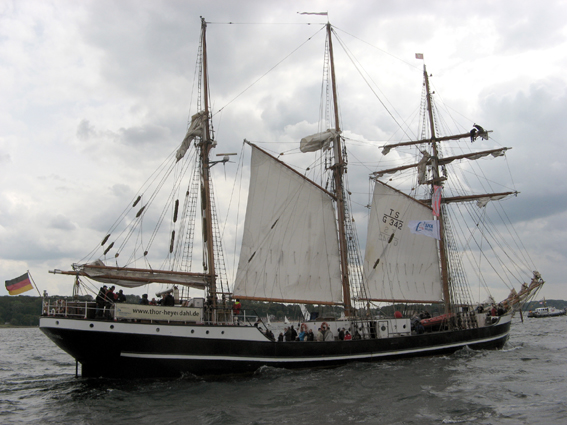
(338, 171)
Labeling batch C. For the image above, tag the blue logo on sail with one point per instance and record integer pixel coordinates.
(425, 227)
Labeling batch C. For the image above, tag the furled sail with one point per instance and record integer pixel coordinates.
(195, 130)
(318, 141)
(425, 160)
(289, 245)
(133, 278)
(400, 265)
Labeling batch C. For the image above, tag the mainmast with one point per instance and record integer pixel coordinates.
(436, 180)
(338, 171)
(206, 213)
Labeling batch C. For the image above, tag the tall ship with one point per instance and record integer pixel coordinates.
(400, 290)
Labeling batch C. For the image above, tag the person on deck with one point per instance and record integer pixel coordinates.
(110, 300)
(293, 334)
(236, 307)
(100, 301)
(110, 296)
(168, 301)
(270, 335)
(310, 336)
(120, 297)
(348, 336)
(144, 300)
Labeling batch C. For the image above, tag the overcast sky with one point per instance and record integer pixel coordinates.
(94, 94)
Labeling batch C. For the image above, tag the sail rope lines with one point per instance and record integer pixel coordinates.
(266, 73)
(157, 178)
(500, 239)
(472, 212)
(238, 180)
(365, 76)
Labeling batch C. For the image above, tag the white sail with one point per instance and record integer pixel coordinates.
(400, 265)
(289, 245)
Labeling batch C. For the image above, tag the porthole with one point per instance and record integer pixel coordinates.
(383, 328)
(111, 326)
(57, 322)
(192, 331)
(207, 332)
(222, 333)
(404, 326)
(91, 325)
(157, 329)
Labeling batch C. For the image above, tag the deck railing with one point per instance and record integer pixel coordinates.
(89, 310)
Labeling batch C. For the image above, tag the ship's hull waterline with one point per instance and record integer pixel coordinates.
(114, 349)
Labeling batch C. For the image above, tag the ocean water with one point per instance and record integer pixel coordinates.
(525, 383)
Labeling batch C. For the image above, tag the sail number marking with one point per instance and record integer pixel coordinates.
(393, 219)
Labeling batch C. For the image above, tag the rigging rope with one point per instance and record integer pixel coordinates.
(266, 73)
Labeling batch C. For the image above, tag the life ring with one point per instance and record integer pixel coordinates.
(324, 326)
(303, 327)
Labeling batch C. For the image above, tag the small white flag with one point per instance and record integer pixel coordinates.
(425, 227)
(419, 55)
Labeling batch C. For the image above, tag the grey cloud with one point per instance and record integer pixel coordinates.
(144, 134)
(5, 158)
(61, 222)
(525, 28)
(85, 130)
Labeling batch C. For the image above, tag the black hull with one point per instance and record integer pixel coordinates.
(130, 350)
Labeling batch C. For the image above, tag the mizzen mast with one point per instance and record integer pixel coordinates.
(338, 172)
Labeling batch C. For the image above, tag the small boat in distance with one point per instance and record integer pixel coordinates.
(299, 246)
(546, 312)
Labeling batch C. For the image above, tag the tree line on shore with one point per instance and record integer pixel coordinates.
(23, 310)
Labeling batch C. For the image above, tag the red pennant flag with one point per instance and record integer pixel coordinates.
(436, 200)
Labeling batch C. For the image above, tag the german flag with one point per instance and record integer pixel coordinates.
(18, 285)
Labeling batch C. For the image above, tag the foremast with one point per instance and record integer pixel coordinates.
(205, 146)
(338, 173)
